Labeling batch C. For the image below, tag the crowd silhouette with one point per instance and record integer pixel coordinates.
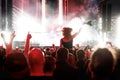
(58, 63)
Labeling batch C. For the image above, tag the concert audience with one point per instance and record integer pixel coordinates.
(49, 65)
(58, 63)
(16, 66)
(36, 61)
(63, 69)
(81, 64)
(102, 64)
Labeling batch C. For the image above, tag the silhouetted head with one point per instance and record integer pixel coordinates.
(62, 54)
(49, 64)
(80, 54)
(102, 62)
(16, 65)
(36, 61)
(36, 56)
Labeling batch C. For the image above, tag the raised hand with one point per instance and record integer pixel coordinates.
(12, 35)
(8, 44)
(2, 35)
(27, 45)
(29, 36)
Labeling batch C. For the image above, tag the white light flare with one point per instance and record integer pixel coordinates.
(87, 32)
(43, 12)
(75, 24)
(24, 24)
(60, 17)
(100, 24)
(117, 42)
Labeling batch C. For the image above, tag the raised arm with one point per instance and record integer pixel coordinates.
(8, 45)
(75, 34)
(27, 45)
(61, 43)
(3, 37)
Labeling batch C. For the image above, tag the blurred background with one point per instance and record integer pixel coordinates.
(99, 21)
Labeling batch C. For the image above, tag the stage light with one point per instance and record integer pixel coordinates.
(60, 17)
(75, 23)
(118, 21)
(117, 41)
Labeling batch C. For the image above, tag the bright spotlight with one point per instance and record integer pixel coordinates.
(117, 42)
(75, 24)
(118, 21)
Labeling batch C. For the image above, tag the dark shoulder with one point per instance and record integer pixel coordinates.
(61, 40)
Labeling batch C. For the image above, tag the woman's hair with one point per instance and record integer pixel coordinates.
(67, 31)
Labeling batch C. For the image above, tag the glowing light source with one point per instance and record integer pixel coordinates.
(117, 41)
(47, 26)
(87, 32)
(43, 12)
(60, 17)
(118, 21)
(75, 24)
(100, 23)
(26, 23)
